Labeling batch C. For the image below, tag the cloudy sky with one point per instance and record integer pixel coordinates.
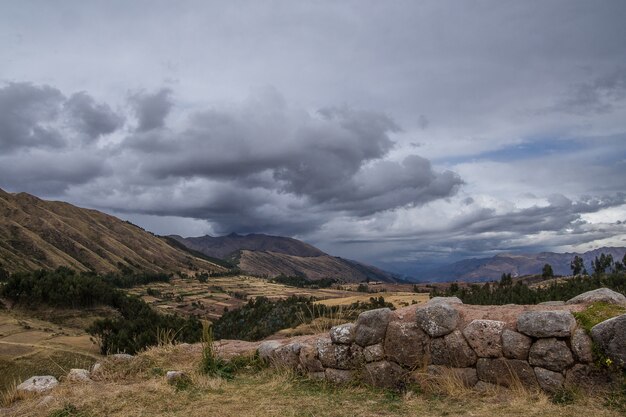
(388, 132)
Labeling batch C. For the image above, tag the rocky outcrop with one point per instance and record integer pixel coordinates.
(604, 295)
(37, 384)
(483, 346)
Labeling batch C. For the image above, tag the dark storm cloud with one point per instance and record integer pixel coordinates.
(151, 109)
(93, 119)
(26, 112)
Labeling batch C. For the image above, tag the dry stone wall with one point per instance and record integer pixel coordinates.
(538, 346)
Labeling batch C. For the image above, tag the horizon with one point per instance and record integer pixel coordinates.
(397, 134)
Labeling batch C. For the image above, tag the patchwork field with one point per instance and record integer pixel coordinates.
(32, 346)
(398, 299)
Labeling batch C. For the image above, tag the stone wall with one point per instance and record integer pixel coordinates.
(538, 346)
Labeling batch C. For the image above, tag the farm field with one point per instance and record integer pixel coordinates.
(398, 299)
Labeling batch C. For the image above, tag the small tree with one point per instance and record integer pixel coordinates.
(577, 265)
(547, 271)
(506, 280)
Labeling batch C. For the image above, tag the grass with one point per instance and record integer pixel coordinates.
(597, 313)
(139, 388)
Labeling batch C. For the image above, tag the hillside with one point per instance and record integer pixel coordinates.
(515, 264)
(37, 234)
(267, 255)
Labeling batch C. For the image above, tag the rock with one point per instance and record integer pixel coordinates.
(287, 356)
(317, 375)
(437, 319)
(604, 295)
(485, 337)
(349, 356)
(177, 377)
(339, 376)
(444, 300)
(506, 372)
(383, 374)
(452, 350)
(406, 344)
(79, 375)
(515, 345)
(121, 357)
(552, 303)
(610, 335)
(37, 384)
(549, 381)
(371, 326)
(485, 387)
(309, 360)
(374, 353)
(266, 349)
(551, 354)
(96, 368)
(326, 353)
(343, 334)
(546, 323)
(467, 376)
(582, 346)
(588, 378)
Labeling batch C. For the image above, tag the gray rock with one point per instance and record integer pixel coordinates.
(604, 295)
(38, 384)
(266, 349)
(610, 335)
(452, 350)
(326, 353)
(546, 323)
(383, 374)
(349, 356)
(343, 334)
(506, 372)
(486, 387)
(467, 376)
(96, 368)
(339, 376)
(515, 345)
(317, 375)
(287, 356)
(309, 360)
(485, 337)
(374, 353)
(588, 377)
(437, 319)
(371, 326)
(549, 381)
(177, 377)
(551, 354)
(122, 357)
(79, 375)
(406, 344)
(552, 303)
(582, 346)
(444, 300)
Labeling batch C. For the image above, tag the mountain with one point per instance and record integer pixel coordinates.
(486, 269)
(37, 234)
(267, 255)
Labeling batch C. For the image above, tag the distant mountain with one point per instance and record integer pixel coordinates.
(270, 256)
(486, 269)
(37, 234)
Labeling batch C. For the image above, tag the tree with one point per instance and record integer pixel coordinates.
(601, 264)
(506, 280)
(547, 271)
(577, 265)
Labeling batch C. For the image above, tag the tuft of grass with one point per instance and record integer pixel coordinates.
(9, 395)
(597, 313)
(68, 410)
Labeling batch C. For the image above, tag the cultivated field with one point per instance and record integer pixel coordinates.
(398, 299)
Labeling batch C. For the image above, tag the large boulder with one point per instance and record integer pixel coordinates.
(485, 337)
(515, 345)
(266, 349)
(452, 350)
(79, 375)
(371, 326)
(551, 353)
(309, 360)
(604, 295)
(37, 384)
(339, 356)
(437, 319)
(549, 381)
(582, 346)
(406, 343)
(610, 335)
(444, 300)
(374, 353)
(287, 356)
(342, 334)
(506, 372)
(588, 377)
(339, 376)
(326, 353)
(383, 374)
(546, 323)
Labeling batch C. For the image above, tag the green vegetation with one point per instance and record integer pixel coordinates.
(505, 292)
(137, 327)
(261, 317)
(547, 272)
(303, 282)
(597, 313)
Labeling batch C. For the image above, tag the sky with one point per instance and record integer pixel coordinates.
(394, 133)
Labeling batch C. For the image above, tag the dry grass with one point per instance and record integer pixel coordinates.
(398, 299)
(138, 388)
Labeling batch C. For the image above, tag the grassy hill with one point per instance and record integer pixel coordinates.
(37, 234)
